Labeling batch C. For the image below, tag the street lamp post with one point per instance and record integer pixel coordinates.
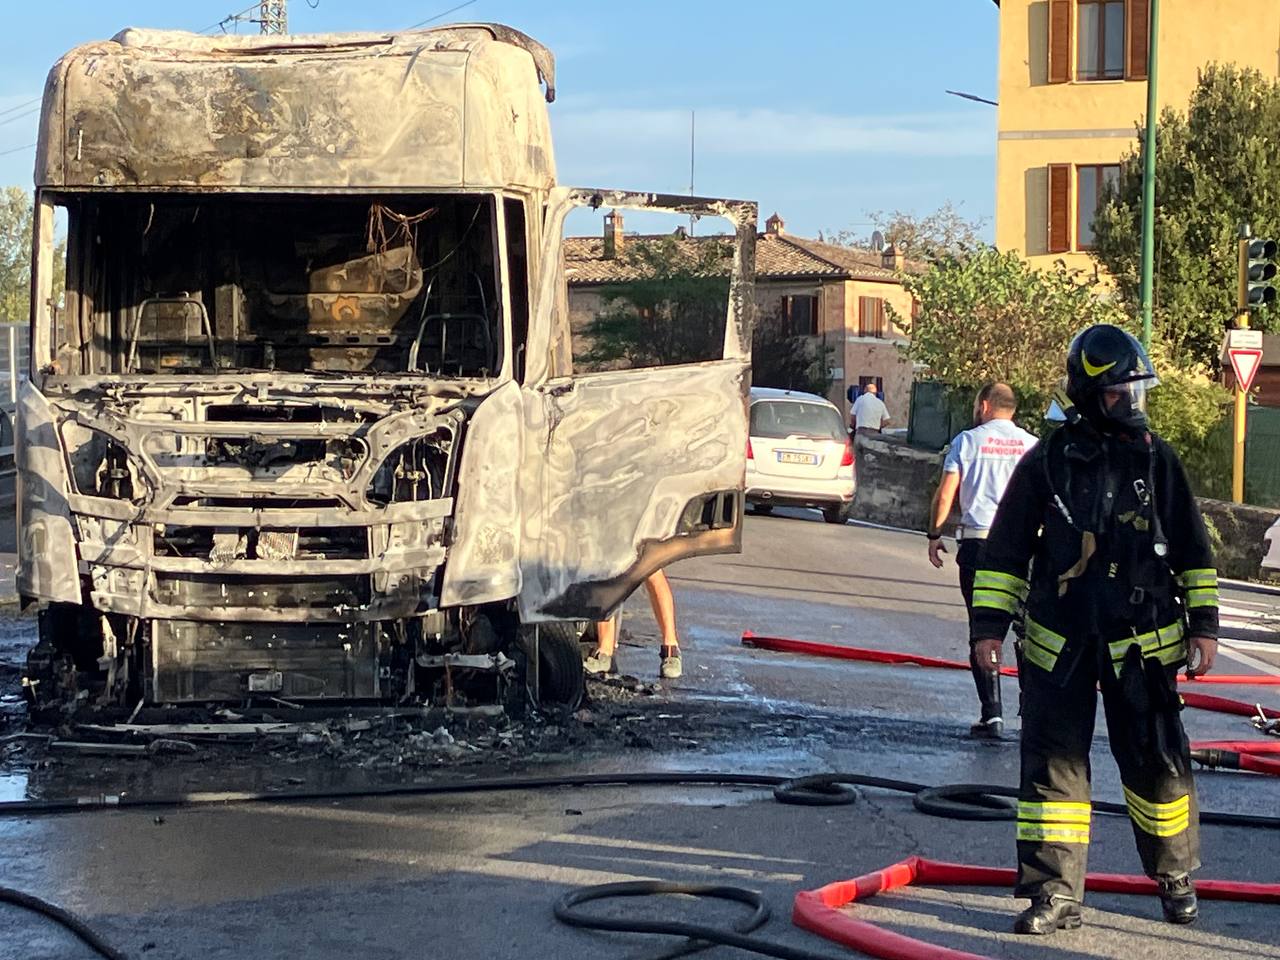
(1149, 173)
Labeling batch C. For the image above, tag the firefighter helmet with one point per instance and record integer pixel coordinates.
(1108, 375)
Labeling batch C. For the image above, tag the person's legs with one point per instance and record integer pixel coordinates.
(1053, 801)
(1155, 769)
(601, 661)
(986, 676)
(664, 612)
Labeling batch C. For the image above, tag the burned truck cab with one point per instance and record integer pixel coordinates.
(304, 424)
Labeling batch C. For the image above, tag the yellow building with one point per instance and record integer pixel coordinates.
(1072, 89)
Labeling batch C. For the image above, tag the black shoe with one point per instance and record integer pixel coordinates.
(992, 729)
(1047, 914)
(1178, 898)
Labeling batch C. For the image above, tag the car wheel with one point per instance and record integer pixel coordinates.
(762, 509)
(835, 514)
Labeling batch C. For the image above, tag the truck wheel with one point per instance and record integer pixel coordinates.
(560, 677)
(762, 509)
(835, 514)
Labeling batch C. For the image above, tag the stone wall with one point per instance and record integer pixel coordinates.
(895, 482)
(1239, 533)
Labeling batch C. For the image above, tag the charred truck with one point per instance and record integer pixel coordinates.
(305, 424)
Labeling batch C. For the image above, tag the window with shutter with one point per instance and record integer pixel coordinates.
(1059, 225)
(870, 317)
(800, 316)
(1138, 23)
(1060, 41)
(1092, 183)
(1100, 30)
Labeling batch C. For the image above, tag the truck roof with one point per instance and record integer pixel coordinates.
(460, 106)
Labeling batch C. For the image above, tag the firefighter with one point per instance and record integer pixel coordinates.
(1099, 539)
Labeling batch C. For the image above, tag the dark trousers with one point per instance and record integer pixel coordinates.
(1053, 807)
(987, 680)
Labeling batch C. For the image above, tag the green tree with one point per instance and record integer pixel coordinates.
(946, 232)
(1217, 165)
(674, 310)
(16, 218)
(15, 255)
(990, 316)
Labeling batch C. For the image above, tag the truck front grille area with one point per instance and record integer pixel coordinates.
(229, 661)
(278, 545)
(281, 544)
(309, 593)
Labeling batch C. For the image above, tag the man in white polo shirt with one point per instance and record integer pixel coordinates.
(979, 464)
(869, 414)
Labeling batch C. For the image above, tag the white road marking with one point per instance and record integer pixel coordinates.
(1228, 649)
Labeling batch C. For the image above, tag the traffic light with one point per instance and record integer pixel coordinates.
(1259, 272)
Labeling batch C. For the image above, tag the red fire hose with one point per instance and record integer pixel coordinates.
(1228, 756)
(819, 911)
(839, 651)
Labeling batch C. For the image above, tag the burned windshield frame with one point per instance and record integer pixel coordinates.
(194, 284)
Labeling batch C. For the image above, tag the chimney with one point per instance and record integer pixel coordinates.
(775, 225)
(891, 258)
(612, 235)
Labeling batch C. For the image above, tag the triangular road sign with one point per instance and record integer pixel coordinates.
(1244, 362)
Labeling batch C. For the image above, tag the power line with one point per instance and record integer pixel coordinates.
(423, 23)
(20, 106)
(19, 116)
(232, 18)
(5, 153)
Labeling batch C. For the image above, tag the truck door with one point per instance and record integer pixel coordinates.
(627, 470)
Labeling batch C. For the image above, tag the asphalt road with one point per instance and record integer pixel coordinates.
(475, 876)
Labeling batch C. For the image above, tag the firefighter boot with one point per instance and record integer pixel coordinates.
(1047, 914)
(1178, 898)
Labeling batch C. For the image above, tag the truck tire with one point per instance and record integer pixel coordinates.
(835, 514)
(560, 677)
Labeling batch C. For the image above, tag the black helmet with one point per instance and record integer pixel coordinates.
(1108, 375)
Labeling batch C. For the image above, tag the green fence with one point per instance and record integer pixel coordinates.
(938, 413)
(1262, 457)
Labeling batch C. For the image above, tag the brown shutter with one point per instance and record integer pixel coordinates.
(1059, 233)
(1060, 41)
(880, 325)
(1137, 18)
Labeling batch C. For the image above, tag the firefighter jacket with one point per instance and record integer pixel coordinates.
(1100, 537)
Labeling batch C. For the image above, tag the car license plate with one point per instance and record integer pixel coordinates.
(808, 459)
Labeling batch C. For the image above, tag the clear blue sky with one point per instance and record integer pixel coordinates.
(821, 110)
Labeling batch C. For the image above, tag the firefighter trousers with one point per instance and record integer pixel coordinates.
(1054, 810)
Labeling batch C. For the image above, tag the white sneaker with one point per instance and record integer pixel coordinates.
(669, 669)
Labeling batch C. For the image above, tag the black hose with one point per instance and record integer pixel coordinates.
(64, 917)
(965, 801)
(699, 935)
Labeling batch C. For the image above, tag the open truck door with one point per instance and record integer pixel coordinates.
(628, 470)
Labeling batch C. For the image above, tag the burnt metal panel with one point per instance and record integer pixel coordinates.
(195, 661)
(620, 455)
(443, 108)
(47, 567)
(484, 557)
